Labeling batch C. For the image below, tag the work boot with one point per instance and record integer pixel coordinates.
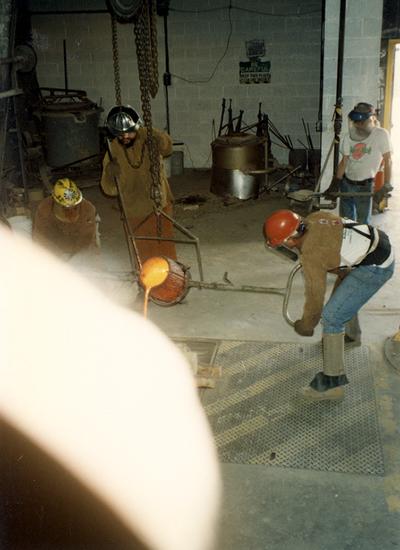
(325, 388)
(328, 385)
(352, 334)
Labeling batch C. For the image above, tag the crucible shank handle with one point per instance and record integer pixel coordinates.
(285, 307)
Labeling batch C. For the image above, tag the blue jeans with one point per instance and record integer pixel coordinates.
(358, 209)
(353, 292)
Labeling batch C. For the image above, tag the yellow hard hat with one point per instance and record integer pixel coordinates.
(66, 193)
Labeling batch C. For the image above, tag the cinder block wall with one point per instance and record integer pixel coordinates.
(198, 37)
(360, 68)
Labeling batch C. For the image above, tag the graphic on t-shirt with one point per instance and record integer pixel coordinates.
(358, 150)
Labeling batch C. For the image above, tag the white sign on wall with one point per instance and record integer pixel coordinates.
(255, 71)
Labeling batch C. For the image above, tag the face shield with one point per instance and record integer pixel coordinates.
(361, 124)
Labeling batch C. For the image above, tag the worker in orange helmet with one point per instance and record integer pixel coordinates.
(362, 258)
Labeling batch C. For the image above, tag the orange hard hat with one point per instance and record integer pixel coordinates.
(281, 225)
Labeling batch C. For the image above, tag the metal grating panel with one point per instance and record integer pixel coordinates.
(258, 416)
(204, 348)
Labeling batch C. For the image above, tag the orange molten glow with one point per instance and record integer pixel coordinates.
(154, 273)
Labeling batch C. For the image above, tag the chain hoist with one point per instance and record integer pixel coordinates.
(117, 79)
(146, 51)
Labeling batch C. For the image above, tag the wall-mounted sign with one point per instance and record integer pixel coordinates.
(255, 71)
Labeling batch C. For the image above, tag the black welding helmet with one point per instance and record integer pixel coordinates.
(122, 119)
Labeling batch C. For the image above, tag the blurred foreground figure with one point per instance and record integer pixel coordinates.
(104, 443)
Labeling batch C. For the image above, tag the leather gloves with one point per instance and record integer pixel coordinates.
(301, 328)
(383, 192)
(388, 187)
(113, 169)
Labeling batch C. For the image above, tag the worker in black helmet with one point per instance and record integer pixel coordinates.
(364, 148)
(130, 164)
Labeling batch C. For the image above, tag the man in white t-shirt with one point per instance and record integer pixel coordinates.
(364, 148)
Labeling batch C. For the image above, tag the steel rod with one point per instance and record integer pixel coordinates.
(339, 81)
(285, 306)
(241, 288)
(168, 239)
(195, 240)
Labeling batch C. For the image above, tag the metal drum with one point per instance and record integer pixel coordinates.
(234, 158)
(70, 129)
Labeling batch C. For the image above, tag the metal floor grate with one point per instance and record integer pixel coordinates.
(258, 416)
(204, 348)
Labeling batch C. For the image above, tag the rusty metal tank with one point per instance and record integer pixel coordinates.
(233, 157)
(70, 125)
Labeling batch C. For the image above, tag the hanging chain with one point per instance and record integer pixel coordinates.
(146, 51)
(117, 80)
(135, 165)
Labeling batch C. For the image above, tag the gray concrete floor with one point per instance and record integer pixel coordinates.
(269, 507)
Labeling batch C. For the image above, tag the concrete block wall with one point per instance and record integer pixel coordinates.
(198, 37)
(361, 73)
(292, 46)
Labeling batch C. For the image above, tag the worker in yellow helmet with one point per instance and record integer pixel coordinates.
(66, 193)
(65, 222)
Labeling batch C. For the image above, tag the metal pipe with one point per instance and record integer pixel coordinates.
(66, 12)
(221, 122)
(74, 162)
(318, 126)
(239, 121)
(130, 240)
(197, 245)
(3, 142)
(230, 119)
(195, 240)
(318, 184)
(339, 79)
(275, 183)
(285, 292)
(65, 66)
(168, 239)
(20, 149)
(241, 288)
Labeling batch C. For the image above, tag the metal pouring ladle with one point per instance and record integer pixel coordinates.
(228, 286)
